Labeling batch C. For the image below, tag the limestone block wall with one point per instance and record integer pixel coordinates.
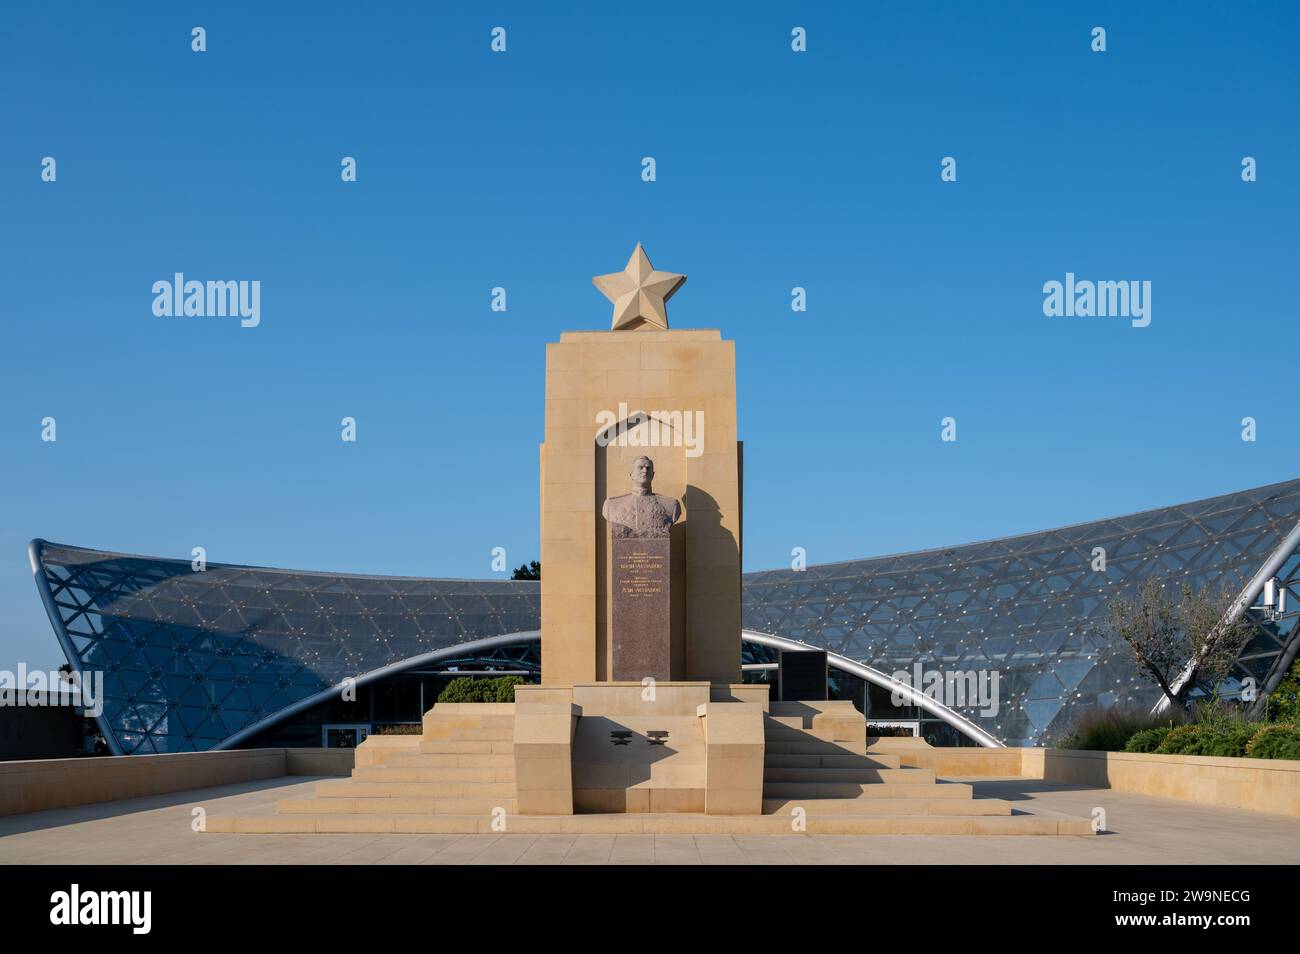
(735, 744)
(1264, 785)
(545, 722)
(41, 784)
(680, 372)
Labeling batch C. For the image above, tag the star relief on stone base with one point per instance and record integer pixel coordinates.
(639, 293)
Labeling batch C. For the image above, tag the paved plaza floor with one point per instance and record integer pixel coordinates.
(157, 830)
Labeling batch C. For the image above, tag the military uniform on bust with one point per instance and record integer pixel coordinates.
(641, 513)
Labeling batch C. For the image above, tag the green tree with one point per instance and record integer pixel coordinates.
(528, 571)
(1284, 701)
(1167, 630)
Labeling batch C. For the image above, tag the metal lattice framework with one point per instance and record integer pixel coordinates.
(190, 658)
(1270, 653)
(1029, 607)
(196, 659)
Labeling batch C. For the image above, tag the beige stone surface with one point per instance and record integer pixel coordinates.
(41, 784)
(740, 692)
(829, 719)
(1268, 785)
(651, 371)
(735, 746)
(377, 749)
(545, 723)
(961, 761)
(672, 774)
(639, 292)
(533, 695)
(635, 699)
(156, 829)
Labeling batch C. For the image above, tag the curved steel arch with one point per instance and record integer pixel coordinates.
(850, 605)
(843, 663)
(1252, 589)
(909, 693)
(447, 652)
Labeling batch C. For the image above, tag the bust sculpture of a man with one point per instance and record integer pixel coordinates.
(641, 513)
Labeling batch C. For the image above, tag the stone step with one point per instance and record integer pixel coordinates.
(842, 709)
(810, 746)
(832, 759)
(815, 774)
(505, 733)
(450, 760)
(387, 773)
(874, 776)
(473, 709)
(887, 806)
(460, 746)
(439, 789)
(471, 721)
(676, 823)
(778, 707)
(440, 720)
(813, 766)
(790, 724)
(827, 760)
(869, 790)
(396, 806)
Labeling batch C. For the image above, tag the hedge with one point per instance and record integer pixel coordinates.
(1147, 740)
(471, 689)
(1180, 740)
(1232, 740)
(1276, 741)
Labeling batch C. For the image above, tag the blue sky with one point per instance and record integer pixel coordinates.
(522, 169)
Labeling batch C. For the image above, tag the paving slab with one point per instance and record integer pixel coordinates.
(157, 830)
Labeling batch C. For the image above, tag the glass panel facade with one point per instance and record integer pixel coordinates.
(192, 658)
(1029, 607)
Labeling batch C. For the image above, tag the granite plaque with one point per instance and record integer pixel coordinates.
(640, 577)
(640, 581)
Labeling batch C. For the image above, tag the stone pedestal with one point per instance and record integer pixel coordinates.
(640, 588)
(683, 747)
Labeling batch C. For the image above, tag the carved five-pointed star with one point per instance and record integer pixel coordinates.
(639, 293)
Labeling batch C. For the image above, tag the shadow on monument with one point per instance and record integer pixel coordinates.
(719, 547)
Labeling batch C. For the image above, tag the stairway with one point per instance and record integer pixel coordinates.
(463, 765)
(818, 777)
(818, 773)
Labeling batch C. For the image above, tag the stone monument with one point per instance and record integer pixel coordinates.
(640, 388)
(641, 707)
(640, 585)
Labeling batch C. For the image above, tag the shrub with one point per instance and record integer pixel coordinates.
(1284, 701)
(1219, 739)
(471, 689)
(1183, 740)
(1108, 730)
(399, 728)
(1228, 741)
(1275, 741)
(1147, 740)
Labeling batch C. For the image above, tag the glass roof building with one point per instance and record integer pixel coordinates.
(1029, 607)
(202, 659)
(229, 655)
